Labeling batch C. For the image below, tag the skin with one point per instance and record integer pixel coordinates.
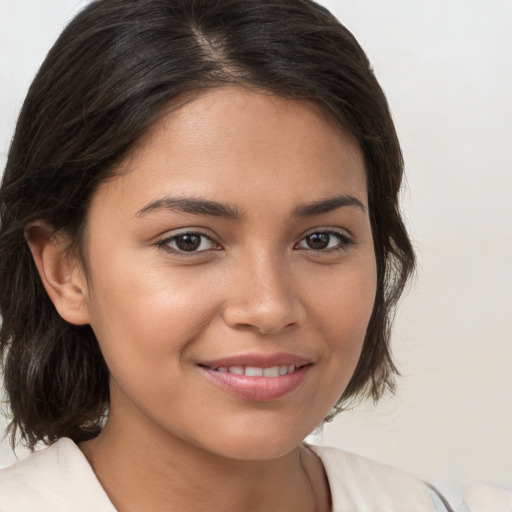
(253, 286)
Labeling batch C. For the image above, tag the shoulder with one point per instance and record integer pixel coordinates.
(57, 478)
(359, 484)
(481, 497)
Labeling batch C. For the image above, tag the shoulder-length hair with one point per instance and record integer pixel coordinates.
(103, 84)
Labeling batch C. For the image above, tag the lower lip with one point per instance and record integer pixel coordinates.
(257, 389)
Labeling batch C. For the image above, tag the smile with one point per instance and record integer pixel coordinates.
(255, 371)
(257, 378)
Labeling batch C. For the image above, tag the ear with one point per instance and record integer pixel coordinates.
(61, 274)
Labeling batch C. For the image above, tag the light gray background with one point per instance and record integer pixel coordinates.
(446, 66)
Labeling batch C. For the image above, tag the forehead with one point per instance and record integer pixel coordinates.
(233, 144)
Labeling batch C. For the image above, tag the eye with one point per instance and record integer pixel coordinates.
(189, 242)
(325, 241)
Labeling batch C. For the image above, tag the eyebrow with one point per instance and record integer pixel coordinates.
(197, 206)
(327, 205)
(193, 206)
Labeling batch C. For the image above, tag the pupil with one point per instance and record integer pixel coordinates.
(318, 240)
(188, 242)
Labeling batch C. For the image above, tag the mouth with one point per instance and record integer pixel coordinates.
(258, 371)
(258, 378)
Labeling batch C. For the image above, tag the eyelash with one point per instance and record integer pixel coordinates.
(344, 242)
(165, 243)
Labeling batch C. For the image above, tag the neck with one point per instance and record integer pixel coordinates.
(162, 473)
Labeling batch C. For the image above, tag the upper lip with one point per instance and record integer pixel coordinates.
(258, 360)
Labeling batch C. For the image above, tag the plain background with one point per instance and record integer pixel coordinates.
(446, 66)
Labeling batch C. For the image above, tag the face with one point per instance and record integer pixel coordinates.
(231, 274)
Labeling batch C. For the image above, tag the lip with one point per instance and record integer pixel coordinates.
(257, 389)
(254, 359)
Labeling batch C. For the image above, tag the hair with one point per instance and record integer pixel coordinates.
(113, 71)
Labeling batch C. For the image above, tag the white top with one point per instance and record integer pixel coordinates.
(59, 479)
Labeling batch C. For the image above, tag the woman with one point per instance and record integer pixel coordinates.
(200, 251)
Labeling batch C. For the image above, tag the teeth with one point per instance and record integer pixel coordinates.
(256, 371)
(271, 372)
(253, 371)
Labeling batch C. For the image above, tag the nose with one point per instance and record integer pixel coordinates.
(263, 297)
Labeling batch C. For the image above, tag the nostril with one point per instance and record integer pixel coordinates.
(263, 320)
(263, 299)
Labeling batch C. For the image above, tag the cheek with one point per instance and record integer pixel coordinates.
(343, 312)
(345, 299)
(147, 314)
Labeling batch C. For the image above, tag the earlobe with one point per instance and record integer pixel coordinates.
(61, 274)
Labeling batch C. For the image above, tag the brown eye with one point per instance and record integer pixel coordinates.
(188, 243)
(325, 241)
(318, 241)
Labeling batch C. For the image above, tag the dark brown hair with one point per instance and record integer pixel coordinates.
(103, 84)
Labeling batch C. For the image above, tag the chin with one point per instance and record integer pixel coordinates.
(259, 451)
(263, 444)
